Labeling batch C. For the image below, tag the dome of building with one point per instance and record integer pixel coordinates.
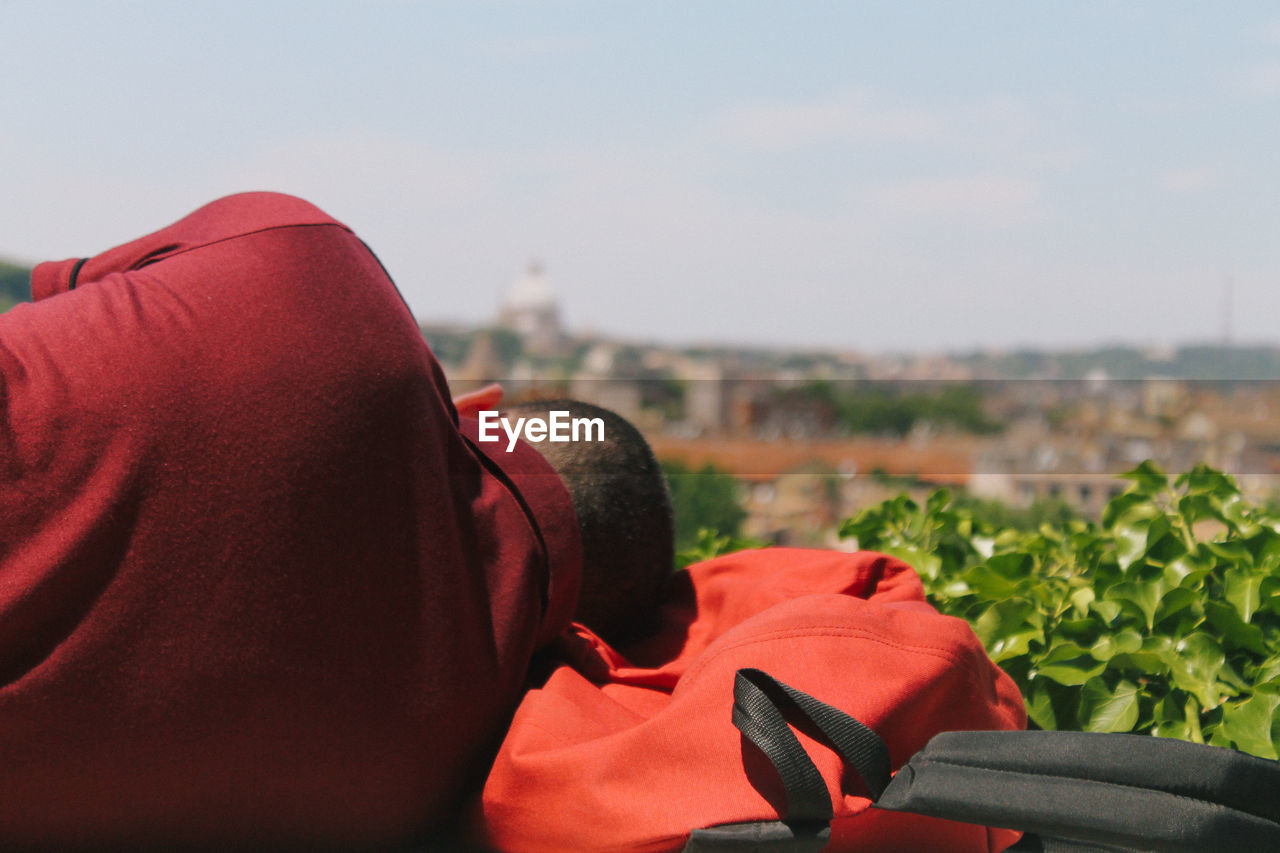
(530, 291)
(530, 310)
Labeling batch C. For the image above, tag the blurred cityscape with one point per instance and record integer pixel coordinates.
(812, 436)
(808, 437)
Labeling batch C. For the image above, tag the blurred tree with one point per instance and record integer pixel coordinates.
(14, 285)
(703, 499)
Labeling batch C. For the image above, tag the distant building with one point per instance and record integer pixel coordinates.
(482, 364)
(706, 403)
(529, 309)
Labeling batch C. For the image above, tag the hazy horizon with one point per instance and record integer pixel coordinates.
(624, 338)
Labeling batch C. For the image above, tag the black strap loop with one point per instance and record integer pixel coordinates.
(75, 274)
(759, 705)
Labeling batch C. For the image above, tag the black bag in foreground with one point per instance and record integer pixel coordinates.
(1068, 790)
(1114, 791)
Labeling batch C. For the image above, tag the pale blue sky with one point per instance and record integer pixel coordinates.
(863, 175)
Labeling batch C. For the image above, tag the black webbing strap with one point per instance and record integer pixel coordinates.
(760, 706)
(1070, 791)
(1098, 791)
(75, 274)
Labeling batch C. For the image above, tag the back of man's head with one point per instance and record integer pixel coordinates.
(624, 514)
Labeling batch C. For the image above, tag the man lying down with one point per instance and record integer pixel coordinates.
(261, 584)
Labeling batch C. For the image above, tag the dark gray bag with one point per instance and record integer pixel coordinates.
(1069, 791)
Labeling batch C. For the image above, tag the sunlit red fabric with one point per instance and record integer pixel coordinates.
(256, 582)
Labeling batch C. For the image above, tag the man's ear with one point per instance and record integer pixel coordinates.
(469, 405)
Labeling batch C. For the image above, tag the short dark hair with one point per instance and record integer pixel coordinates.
(624, 513)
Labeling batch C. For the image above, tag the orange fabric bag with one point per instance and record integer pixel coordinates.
(633, 749)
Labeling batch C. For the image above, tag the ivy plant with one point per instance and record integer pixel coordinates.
(1162, 618)
(712, 543)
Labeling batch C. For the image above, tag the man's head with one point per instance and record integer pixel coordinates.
(624, 514)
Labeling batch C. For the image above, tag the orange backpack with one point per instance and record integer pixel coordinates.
(636, 749)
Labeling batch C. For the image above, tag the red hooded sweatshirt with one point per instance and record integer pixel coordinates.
(258, 582)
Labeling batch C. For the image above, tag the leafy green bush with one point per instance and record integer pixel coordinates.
(1164, 618)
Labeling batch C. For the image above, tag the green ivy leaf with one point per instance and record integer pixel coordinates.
(1152, 658)
(1265, 544)
(1243, 589)
(937, 502)
(1194, 664)
(990, 584)
(1268, 671)
(1079, 630)
(1237, 633)
(1236, 512)
(1191, 720)
(1040, 708)
(1015, 566)
(926, 564)
(1269, 594)
(1148, 479)
(1203, 480)
(1005, 630)
(1175, 601)
(1171, 721)
(1123, 642)
(1081, 598)
(1253, 724)
(1144, 596)
(1230, 552)
(1104, 648)
(1128, 641)
(1104, 709)
(1198, 507)
(1069, 664)
(1107, 610)
(1120, 505)
(1131, 541)
(1188, 565)
(984, 545)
